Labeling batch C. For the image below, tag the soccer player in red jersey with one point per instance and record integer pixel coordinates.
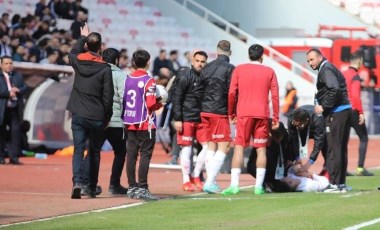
(248, 107)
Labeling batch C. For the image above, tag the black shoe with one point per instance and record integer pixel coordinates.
(85, 190)
(132, 191)
(91, 194)
(76, 193)
(117, 190)
(144, 194)
(15, 162)
(363, 172)
(349, 174)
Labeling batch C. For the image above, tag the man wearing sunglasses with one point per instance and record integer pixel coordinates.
(305, 124)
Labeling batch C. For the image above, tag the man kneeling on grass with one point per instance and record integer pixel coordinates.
(277, 178)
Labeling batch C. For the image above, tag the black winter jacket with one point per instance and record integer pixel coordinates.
(216, 77)
(186, 97)
(332, 88)
(317, 132)
(92, 93)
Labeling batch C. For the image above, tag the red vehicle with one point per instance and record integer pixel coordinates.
(336, 49)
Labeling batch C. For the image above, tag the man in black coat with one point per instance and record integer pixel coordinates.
(333, 103)
(90, 103)
(12, 90)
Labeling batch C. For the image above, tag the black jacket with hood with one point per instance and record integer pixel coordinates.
(92, 93)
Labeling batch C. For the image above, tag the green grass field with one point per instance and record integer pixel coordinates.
(242, 211)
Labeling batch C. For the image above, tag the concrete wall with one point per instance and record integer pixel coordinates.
(304, 14)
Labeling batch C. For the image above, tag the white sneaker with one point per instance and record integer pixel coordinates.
(332, 188)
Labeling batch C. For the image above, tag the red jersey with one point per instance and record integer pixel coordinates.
(150, 99)
(251, 84)
(353, 88)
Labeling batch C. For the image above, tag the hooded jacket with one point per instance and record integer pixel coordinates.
(92, 93)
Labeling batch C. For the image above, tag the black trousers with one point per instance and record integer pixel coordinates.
(12, 120)
(117, 139)
(139, 142)
(361, 131)
(337, 135)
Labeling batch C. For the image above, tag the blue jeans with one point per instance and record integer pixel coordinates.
(92, 131)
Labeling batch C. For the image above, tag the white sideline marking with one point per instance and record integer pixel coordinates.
(34, 193)
(74, 214)
(164, 166)
(354, 194)
(230, 198)
(364, 224)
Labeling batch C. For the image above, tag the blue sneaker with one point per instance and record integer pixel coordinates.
(213, 188)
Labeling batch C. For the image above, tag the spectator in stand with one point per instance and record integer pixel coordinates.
(53, 4)
(5, 48)
(251, 84)
(160, 62)
(15, 42)
(52, 56)
(12, 91)
(16, 21)
(333, 103)
(55, 44)
(291, 99)
(124, 62)
(40, 49)
(357, 116)
(32, 58)
(216, 78)
(40, 6)
(186, 99)
(174, 64)
(77, 7)
(43, 29)
(64, 51)
(47, 16)
(90, 103)
(21, 33)
(123, 51)
(78, 24)
(139, 106)
(187, 62)
(20, 54)
(64, 10)
(4, 23)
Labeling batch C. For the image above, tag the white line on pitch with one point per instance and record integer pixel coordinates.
(364, 224)
(75, 214)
